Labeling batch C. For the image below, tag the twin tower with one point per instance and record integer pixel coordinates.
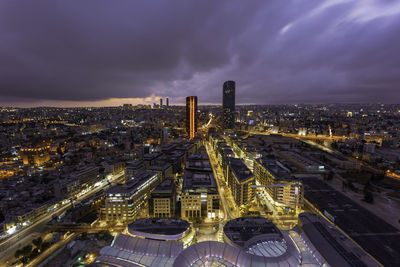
(228, 109)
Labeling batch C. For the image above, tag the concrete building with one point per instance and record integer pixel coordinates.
(123, 202)
(285, 191)
(133, 167)
(240, 179)
(35, 155)
(76, 182)
(228, 104)
(200, 196)
(162, 199)
(162, 229)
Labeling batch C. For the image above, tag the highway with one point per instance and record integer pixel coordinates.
(9, 245)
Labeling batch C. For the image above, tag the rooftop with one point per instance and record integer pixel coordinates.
(243, 229)
(132, 185)
(240, 169)
(275, 168)
(167, 186)
(196, 180)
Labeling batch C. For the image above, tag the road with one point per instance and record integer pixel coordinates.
(217, 175)
(306, 137)
(51, 250)
(9, 245)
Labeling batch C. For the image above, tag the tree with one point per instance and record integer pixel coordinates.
(45, 246)
(26, 250)
(34, 253)
(368, 196)
(18, 254)
(38, 242)
(1, 216)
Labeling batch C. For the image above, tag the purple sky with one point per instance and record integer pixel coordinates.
(111, 52)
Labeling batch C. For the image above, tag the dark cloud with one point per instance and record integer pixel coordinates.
(277, 51)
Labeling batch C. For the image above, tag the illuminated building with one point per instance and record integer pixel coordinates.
(240, 179)
(200, 196)
(123, 202)
(76, 182)
(8, 171)
(35, 156)
(284, 190)
(228, 104)
(162, 199)
(191, 116)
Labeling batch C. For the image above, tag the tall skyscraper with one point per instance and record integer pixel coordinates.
(167, 102)
(191, 116)
(228, 104)
(160, 102)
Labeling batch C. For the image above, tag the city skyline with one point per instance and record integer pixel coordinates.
(325, 52)
(200, 133)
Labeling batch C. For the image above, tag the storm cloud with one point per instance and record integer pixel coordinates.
(293, 51)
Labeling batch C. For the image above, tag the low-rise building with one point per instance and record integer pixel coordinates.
(123, 202)
(35, 155)
(200, 196)
(162, 200)
(285, 191)
(133, 167)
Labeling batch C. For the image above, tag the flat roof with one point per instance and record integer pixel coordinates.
(240, 169)
(242, 229)
(134, 164)
(159, 166)
(168, 185)
(131, 185)
(276, 168)
(195, 180)
(333, 252)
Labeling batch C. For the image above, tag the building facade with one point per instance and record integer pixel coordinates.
(228, 104)
(240, 179)
(286, 191)
(123, 202)
(35, 156)
(162, 200)
(199, 196)
(191, 116)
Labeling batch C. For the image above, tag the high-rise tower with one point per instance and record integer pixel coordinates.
(191, 116)
(228, 104)
(167, 100)
(160, 102)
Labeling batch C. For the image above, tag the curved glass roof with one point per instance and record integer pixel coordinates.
(269, 248)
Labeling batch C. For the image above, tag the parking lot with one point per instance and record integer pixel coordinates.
(377, 237)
